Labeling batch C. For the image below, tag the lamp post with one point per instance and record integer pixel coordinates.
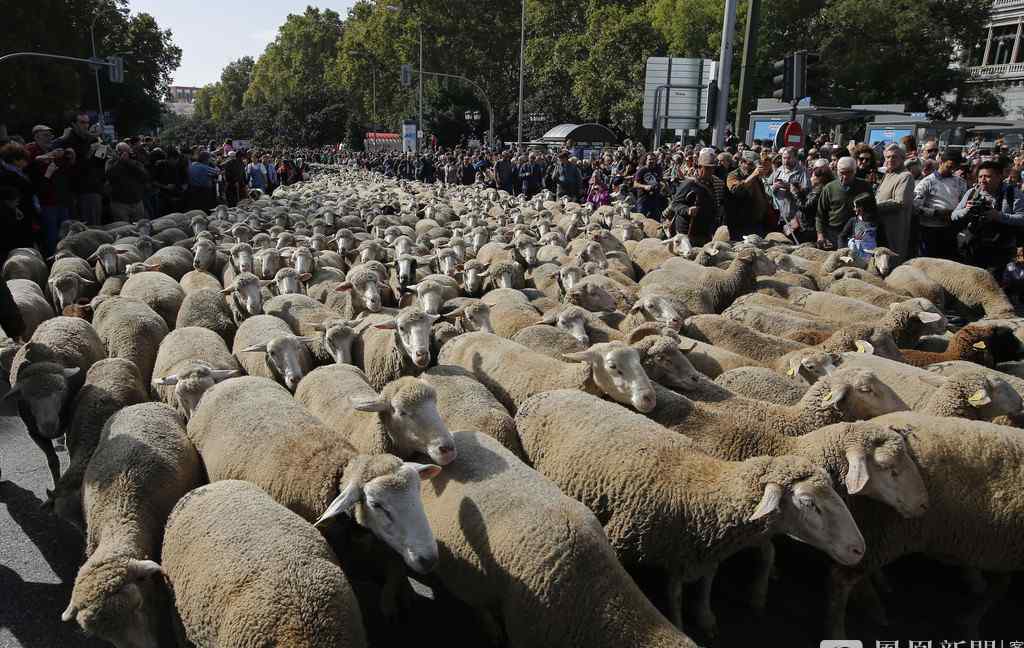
(522, 57)
(96, 71)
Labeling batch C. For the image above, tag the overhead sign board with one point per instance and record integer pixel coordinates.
(676, 91)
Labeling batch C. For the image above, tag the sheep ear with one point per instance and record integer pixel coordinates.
(769, 502)
(426, 471)
(367, 404)
(227, 291)
(256, 348)
(979, 345)
(346, 500)
(69, 613)
(389, 325)
(344, 287)
(71, 373)
(863, 346)
(579, 356)
(141, 569)
(979, 398)
(927, 317)
(835, 395)
(791, 371)
(484, 273)
(166, 380)
(857, 473)
(222, 374)
(712, 252)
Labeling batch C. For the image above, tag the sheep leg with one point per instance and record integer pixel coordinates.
(46, 445)
(766, 566)
(971, 621)
(841, 582)
(706, 619)
(674, 598)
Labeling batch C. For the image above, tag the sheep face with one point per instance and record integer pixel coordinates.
(592, 297)
(809, 510)
(663, 362)
(479, 237)
(618, 373)
(241, 257)
(366, 288)
(447, 262)
(345, 241)
(430, 296)
(812, 366)
(107, 256)
(267, 262)
(503, 274)
(303, 261)
(860, 395)
(338, 339)
(989, 396)
(658, 309)
(66, 288)
(572, 320)
(288, 357)
(289, 282)
(527, 251)
(247, 295)
(384, 495)
(204, 254)
(261, 241)
(408, 412)
(190, 385)
(569, 276)
(43, 386)
(117, 601)
(372, 251)
(477, 317)
(405, 270)
(880, 467)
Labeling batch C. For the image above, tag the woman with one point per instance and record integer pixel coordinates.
(598, 193)
(20, 213)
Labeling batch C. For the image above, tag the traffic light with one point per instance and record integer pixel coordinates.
(406, 75)
(814, 76)
(712, 103)
(783, 83)
(799, 75)
(115, 69)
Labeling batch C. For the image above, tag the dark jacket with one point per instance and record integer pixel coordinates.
(18, 226)
(128, 180)
(703, 195)
(87, 173)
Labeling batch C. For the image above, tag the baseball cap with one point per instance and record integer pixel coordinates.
(41, 127)
(707, 157)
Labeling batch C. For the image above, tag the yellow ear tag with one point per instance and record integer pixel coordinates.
(860, 347)
(980, 345)
(791, 372)
(977, 397)
(827, 398)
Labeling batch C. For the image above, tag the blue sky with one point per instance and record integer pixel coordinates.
(211, 33)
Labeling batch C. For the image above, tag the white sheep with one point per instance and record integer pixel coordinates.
(142, 466)
(131, 330)
(206, 308)
(189, 362)
(390, 347)
(31, 303)
(158, 291)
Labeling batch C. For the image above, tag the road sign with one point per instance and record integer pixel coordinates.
(406, 75)
(682, 107)
(116, 69)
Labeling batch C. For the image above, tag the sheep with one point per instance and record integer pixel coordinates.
(112, 261)
(723, 286)
(198, 280)
(252, 429)
(738, 338)
(245, 297)
(912, 280)
(142, 466)
(110, 385)
(489, 498)
(310, 319)
(471, 315)
(70, 279)
(285, 357)
(973, 395)
(402, 420)
(31, 303)
(762, 383)
(513, 373)
(189, 362)
(865, 292)
(25, 263)
(591, 297)
(781, 322)
(986, 460)
(551, 341)
(505, 273)
(969, 288)
(664, 361)
(694, 510)
(391, 347)
(82, 244)
(359, 293)
(158, 291)
(132, 330)
(288, 281)
(912, 385)
(206, 308)
(256, 596)
(970, 343)
(45, 376)
(845, 395)
(173, 260)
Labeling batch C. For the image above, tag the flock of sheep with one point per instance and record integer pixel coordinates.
(520, 403)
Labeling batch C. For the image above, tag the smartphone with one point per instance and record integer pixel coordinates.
(101, 151)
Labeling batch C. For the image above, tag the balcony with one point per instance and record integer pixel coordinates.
(1005, 72)
(1005, 5)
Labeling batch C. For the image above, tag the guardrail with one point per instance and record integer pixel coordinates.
(1004, 71)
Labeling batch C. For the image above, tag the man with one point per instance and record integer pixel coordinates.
(835, 202)
(170, 176)
(749, 211)
(127, 178)
(992, 215)
(234, 174)
(789, 184)
(696, 207)
(895, 200)
(913, 165)
(87, 174)
(930, 151)
(50, 170)
(569, 180)
(505, 173)
(647, 183)
(936, 196)
(256, 175)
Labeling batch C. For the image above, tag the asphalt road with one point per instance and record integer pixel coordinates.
(39, 554)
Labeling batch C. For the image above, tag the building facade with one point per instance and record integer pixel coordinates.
(182, 99)
(1000, 59)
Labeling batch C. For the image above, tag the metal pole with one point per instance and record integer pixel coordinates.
(374, 72)
(749, 51)
(420, 124)
(724, 72)
(522, 56)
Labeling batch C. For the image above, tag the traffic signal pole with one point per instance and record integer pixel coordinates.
(749, 51)
(724, 75)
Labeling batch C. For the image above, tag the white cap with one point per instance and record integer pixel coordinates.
(707, 157)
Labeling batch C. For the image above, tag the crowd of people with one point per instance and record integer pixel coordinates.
(915, 200)
(956, 204)
(78, 175)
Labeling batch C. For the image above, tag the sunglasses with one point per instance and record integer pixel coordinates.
(864, 159)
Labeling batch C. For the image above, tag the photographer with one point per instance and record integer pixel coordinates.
(750, 210)
(127, 178)
(50, 170)
(990, 215)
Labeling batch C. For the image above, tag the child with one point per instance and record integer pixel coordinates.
(862, 230)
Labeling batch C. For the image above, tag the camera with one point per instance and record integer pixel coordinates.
(981, 206)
